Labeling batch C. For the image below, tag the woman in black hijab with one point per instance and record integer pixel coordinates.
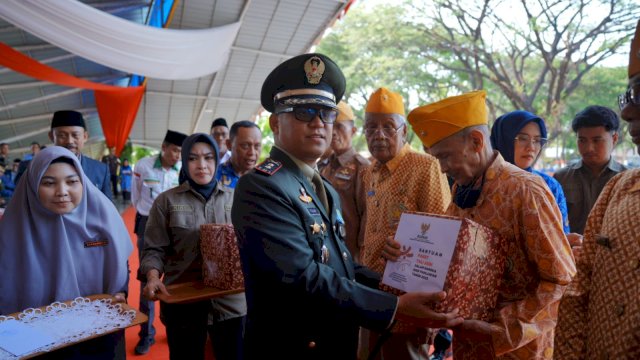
(172, 251)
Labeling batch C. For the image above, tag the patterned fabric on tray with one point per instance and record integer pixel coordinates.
(220, 257)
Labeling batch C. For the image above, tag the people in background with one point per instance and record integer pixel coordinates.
(398, 180)
(69, 130)
(596, 128)
(519, 136)
(245, 145)
(4, 154)
(152, 176)
(172, 255)
(62, 238)
(112, 161)
(35, 148)
(220, 132)
(8, 180)
(344, 170)
(126, 174)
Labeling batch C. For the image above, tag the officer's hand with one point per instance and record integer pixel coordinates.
(417, 308)
(475, 330)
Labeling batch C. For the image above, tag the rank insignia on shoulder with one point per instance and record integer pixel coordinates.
(269, 167)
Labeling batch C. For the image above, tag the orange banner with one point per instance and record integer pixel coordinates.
(117, 106)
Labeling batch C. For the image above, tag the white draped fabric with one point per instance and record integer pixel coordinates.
(121, 44)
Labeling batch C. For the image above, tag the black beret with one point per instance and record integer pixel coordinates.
(219, 122)
(174, 137)
(304, 79)
(596, 115)
(67, 118)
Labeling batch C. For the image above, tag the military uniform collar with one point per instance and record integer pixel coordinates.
(306, 170)
(346, 157)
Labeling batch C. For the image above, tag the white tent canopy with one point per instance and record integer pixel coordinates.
(270, 31)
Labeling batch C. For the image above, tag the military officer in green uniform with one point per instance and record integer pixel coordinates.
(306, 297)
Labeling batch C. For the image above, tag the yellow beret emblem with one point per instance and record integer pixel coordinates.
(314, 69)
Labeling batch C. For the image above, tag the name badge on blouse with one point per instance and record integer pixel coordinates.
(97, 243)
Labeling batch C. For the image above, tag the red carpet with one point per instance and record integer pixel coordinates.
(160, 350)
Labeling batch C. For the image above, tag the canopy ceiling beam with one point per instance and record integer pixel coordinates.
(38, 117)
(205, 103)
(40, 98)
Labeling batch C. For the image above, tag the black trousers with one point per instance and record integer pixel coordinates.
(187, 329)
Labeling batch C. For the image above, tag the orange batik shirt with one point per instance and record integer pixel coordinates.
(410, 181)
(600, 312)
(518, 206)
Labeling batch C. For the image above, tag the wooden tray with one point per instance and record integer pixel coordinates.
(193, 291)
(139, 319)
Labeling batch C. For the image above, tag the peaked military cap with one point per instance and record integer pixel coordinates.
(67, 118)
(302, 80)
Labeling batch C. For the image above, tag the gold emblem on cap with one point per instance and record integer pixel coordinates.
(314, 69)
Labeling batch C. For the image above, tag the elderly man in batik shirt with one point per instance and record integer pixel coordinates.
(398, 180)
(344, 171)
(600, 313)
(518, 207)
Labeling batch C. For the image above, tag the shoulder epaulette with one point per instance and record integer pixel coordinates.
(269, 167)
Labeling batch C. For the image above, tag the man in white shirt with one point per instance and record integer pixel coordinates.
(152, 176)
(220, 133)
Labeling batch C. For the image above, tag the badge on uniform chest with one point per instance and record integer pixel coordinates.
(324, 256)
(304, 197)
(318, 228)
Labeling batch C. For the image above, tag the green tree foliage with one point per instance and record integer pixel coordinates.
(533, 55)
(267, 137)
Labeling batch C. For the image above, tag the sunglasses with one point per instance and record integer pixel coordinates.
(307, 114)
(632, 95)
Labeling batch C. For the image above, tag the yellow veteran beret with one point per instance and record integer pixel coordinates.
(385, 101)
(446, 117)
(634, 54)
(344, 112)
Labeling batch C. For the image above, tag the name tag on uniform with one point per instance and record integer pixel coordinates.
(313, 211)
(98, 243)
(180, 208)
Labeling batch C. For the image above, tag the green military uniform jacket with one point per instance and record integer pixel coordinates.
(306, 297)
